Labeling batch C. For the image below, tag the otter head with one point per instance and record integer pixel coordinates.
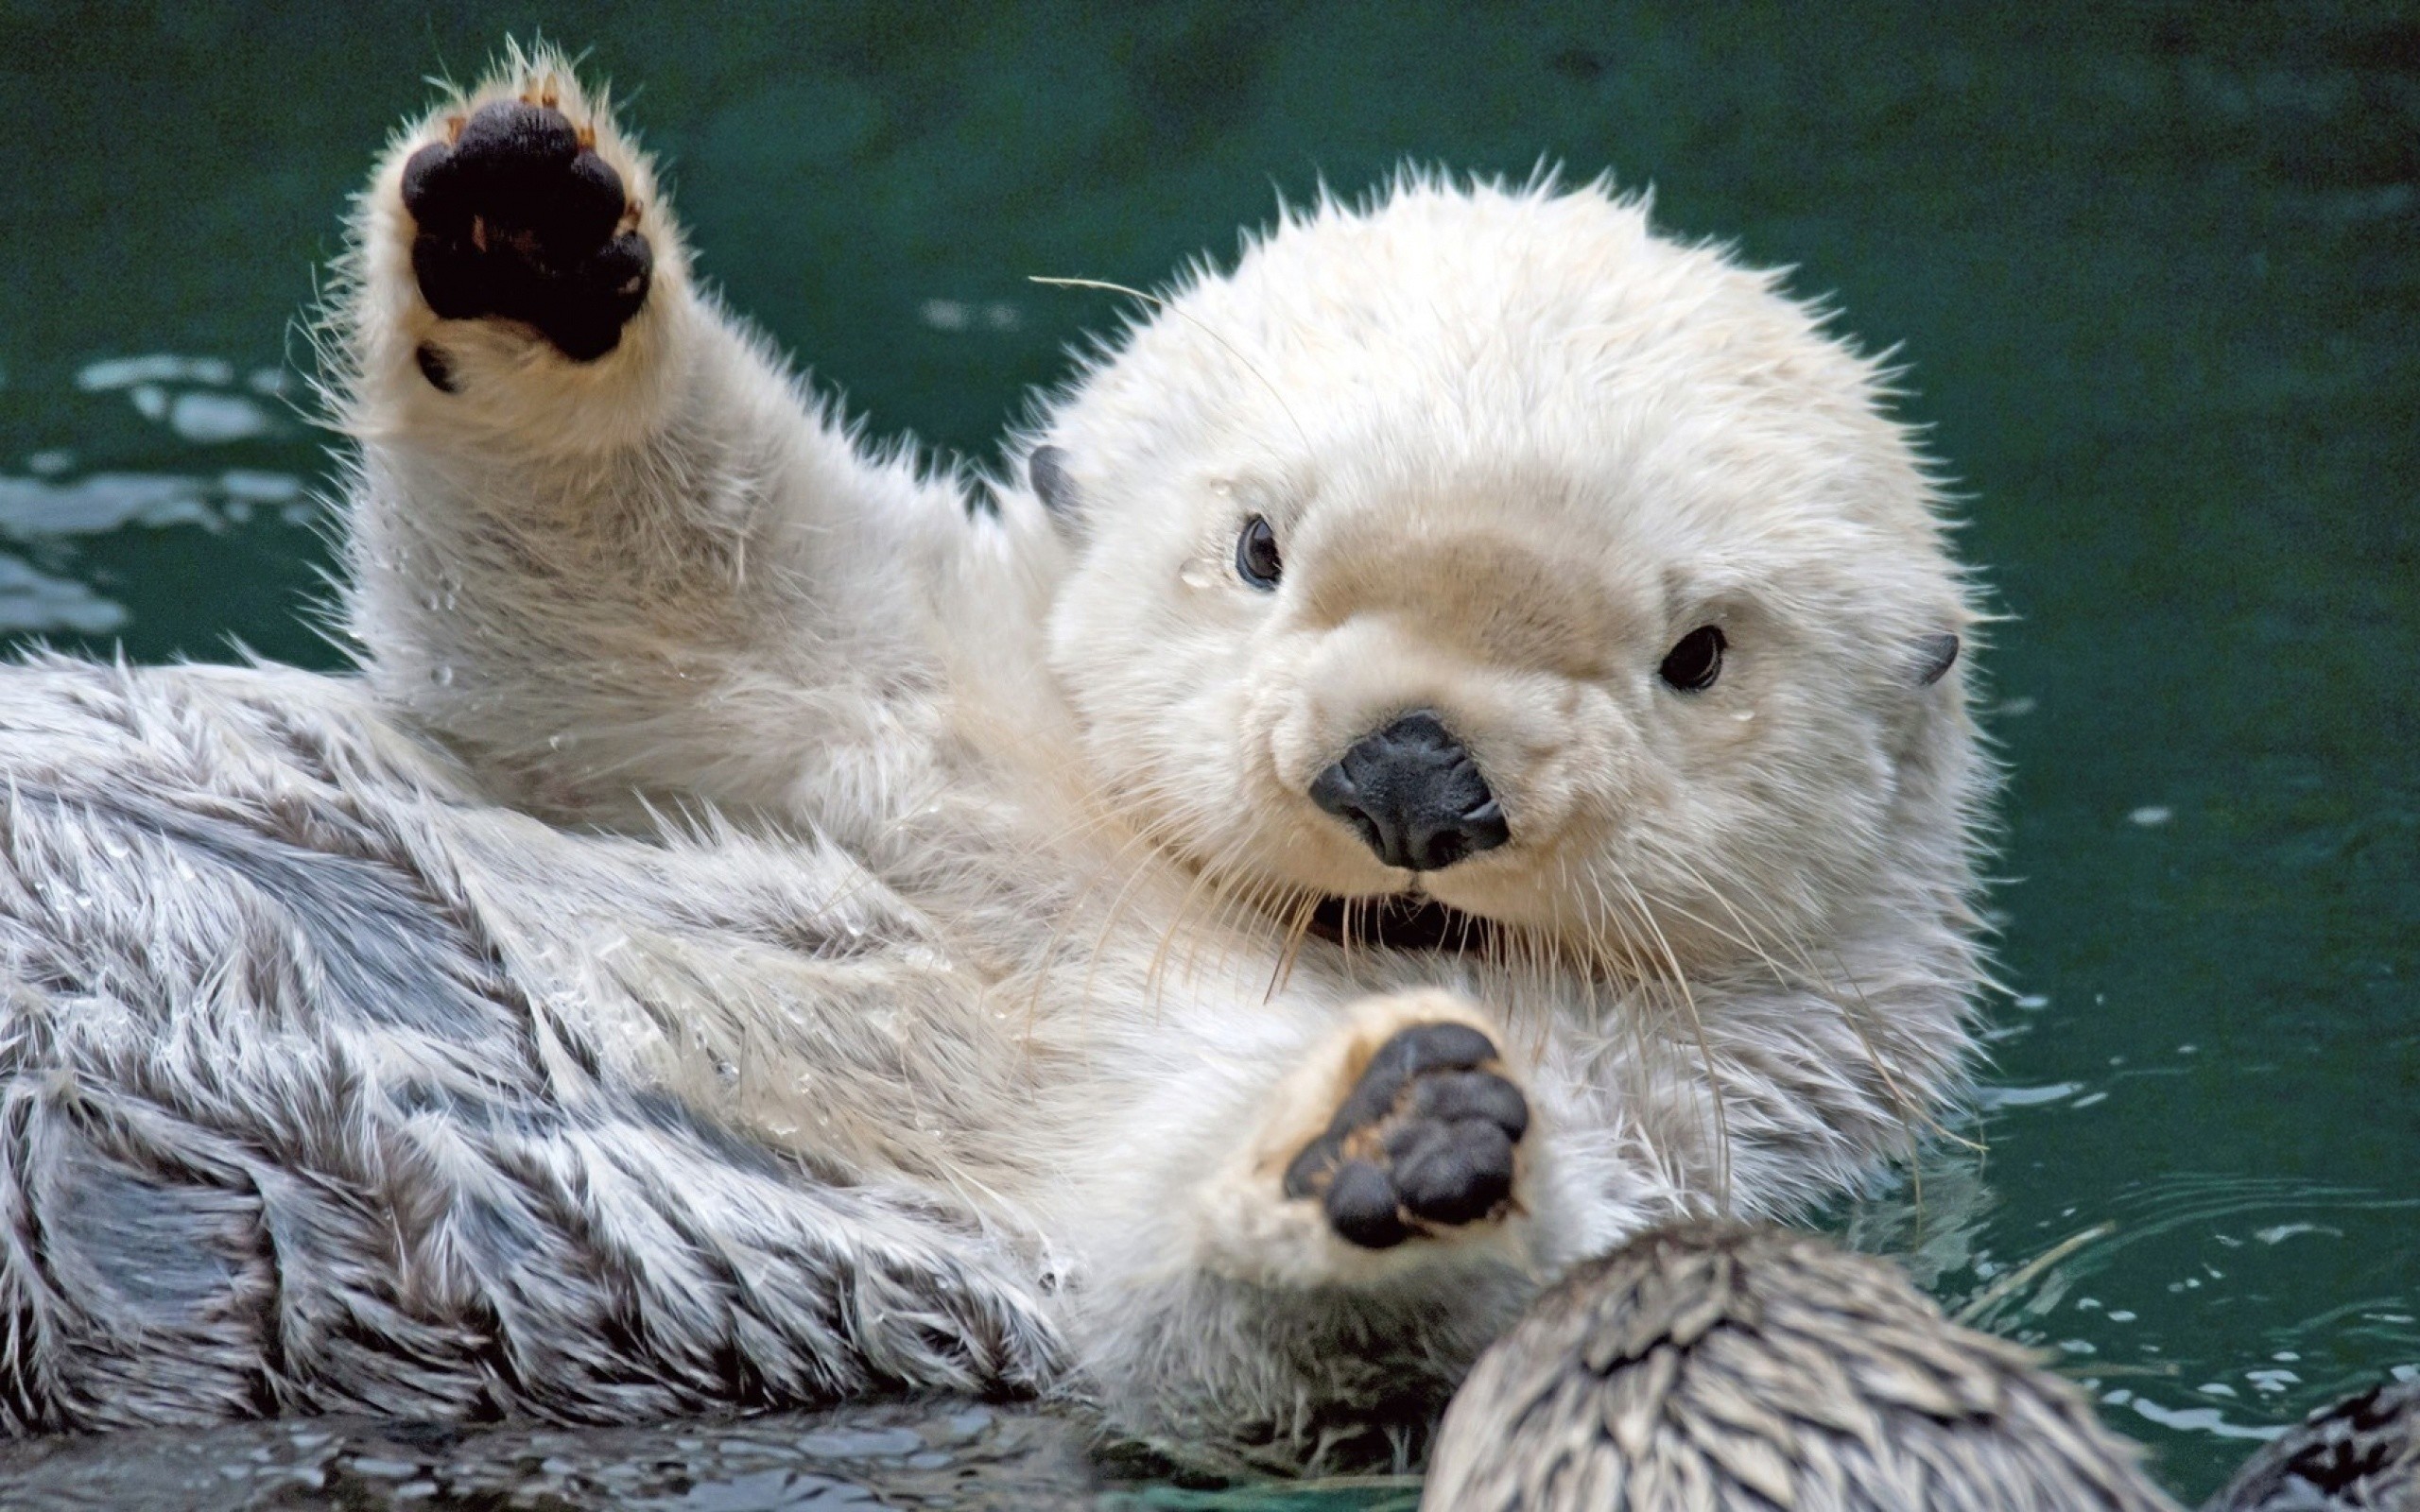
(1482, 545)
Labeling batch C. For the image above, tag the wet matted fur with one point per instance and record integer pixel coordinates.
(1708, 1367)
(760, 927)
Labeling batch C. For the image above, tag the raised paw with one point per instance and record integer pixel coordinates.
(1424, 1141)
(519, 219)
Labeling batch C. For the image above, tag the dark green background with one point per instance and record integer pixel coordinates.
(2156, 272)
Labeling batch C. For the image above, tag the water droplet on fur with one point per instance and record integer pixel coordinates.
(444, 676)
(554, 742)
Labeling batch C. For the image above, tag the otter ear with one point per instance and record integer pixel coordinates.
(1934, 656)
(1045, 468)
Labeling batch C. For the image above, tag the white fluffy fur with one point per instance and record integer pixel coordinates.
(1050, 774)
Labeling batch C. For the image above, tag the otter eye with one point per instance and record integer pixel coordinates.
(1696, 660)
(1256, 560)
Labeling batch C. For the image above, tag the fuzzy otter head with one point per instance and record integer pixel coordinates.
(1482, 544)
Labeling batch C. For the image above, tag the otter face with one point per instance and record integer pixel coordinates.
(1484, 546)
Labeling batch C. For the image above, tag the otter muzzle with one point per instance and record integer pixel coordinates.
(1413, 795)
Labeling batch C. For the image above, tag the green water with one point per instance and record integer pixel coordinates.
(2156, 270)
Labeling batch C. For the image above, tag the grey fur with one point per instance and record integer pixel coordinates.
(2360, 1455)
(1709, 1367)
(294, 1116)
(937, 1457)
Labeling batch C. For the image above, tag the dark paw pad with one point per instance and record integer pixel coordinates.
(1424, 1141)
(518, 221)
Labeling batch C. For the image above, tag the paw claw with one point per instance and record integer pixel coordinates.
(588, 203)
(1453, 1173)
(431, 183)
(1361, 1204)
(1425, 1140)
(450, 278)
(1471, 1094)
(518, 218)
(515, 144)
(1414, 1052)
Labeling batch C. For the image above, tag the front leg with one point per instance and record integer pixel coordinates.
(598, 536)
(1399, 1143)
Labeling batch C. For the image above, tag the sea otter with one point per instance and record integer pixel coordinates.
(1709, 1365)
(1444, 743)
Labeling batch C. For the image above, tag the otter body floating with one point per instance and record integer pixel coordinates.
(2359, 1455)
(1428, 763)
(1718, 1367)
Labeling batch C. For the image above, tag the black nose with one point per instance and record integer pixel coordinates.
(1415, 794)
